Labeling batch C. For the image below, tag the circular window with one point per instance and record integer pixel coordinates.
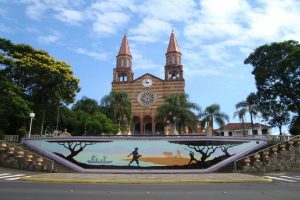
(146, 98)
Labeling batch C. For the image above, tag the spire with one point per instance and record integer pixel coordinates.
(173, 46)
(124, 49)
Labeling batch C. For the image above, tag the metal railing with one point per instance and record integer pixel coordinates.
(11, 138)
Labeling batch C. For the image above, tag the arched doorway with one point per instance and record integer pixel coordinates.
(136, 122)
(147, 125)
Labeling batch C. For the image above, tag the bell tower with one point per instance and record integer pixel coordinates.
(173, 67)
(123, 71)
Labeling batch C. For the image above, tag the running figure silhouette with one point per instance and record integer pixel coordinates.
(135, 156)
(192, 157)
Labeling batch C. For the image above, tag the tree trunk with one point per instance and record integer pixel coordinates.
(43, 120)
(280, 130)
(212, 125)
(243, 122)
(251, 118)
(74, 153)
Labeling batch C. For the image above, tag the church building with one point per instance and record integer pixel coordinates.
(147, 92)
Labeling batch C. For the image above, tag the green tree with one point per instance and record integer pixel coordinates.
(250, 105)
(14, 109)
(43, 80)
(178, 110)
(99, 123)
(213, 114)
(276, 114)
(87, 105)
(117, 107)
(276, 68)
(240, 113)
(295, 126)
(85, 118)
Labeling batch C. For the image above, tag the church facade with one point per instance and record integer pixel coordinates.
(147, 92)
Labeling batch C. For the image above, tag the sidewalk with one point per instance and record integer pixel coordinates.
(147, 178)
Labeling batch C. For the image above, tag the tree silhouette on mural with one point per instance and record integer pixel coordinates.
(225, 148)
(207, 149)
(75, 147)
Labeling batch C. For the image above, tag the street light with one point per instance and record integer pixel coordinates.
(175, 130)
(31, 115)
(259, 116)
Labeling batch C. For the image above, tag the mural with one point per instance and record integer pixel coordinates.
(143, 153)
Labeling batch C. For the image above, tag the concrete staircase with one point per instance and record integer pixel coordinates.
(18, 156)
(283, 156)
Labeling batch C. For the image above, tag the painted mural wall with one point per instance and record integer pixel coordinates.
(142, 153)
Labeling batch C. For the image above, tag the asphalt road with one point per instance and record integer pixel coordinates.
(17, 190)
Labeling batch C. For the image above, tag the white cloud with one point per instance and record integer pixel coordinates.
(63, 10)
(113, 5)
(109, 16)
(274, 20)
(171, 10)
(35, 9)
(95, 55)
(139, 61)
(223, 29)
(69, 16)
(109, 23)
(150, 30)
(48, 39)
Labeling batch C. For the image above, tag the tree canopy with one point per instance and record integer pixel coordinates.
(40, 79)
(213, 114)
(179, 110)
(85, 118)
(276, 68)
(117, 107)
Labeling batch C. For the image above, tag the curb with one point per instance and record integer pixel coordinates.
(49, 180)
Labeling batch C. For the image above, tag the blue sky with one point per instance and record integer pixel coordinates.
(214, 36)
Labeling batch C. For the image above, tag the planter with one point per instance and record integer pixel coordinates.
(19, 154)
(257, 157)
(247, 161)
(10, 150)
(29, 158)
(39, 161)
(3, 146)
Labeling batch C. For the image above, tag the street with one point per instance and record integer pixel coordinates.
(27, 190)
(284, 186)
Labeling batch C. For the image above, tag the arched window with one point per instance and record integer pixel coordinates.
(122, 62)
(123, 78)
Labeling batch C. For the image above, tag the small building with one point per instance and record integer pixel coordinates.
(236, 129)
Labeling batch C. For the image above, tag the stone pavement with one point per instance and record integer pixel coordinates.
(147, 178)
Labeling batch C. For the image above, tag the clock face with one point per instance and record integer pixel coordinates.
(146, 98)
(147, 82)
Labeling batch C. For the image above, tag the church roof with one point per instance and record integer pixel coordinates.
(173, 46)
(148, 74)
(124, 49)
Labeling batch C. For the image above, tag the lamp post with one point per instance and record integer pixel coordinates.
(31, 115)
(175, 130)
(259, 116)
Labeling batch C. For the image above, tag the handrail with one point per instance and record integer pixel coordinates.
(292, 138)
(29, 152)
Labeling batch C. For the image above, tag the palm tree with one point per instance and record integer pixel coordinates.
(241, 112)
(213, 114)
(117, 107)
(178, 110)
(250, 106)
